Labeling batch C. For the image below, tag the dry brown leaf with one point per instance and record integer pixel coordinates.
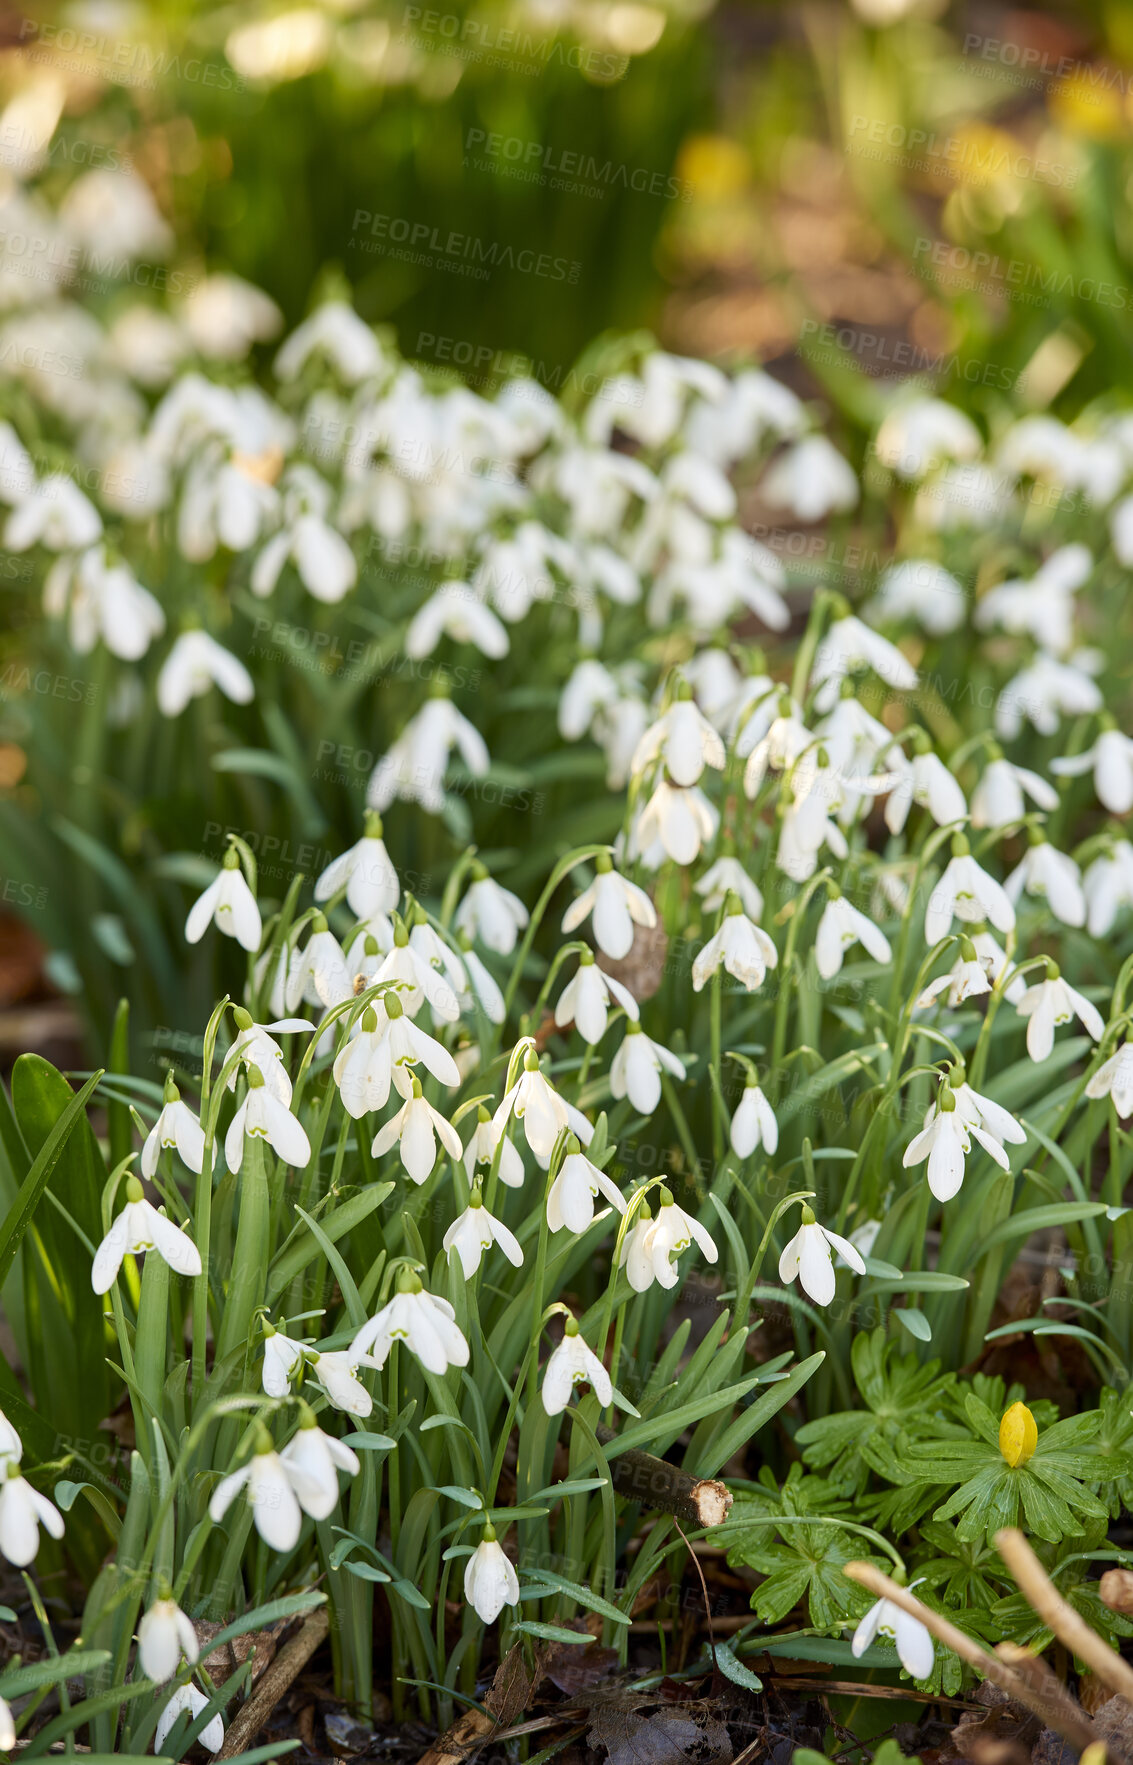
(637, 1730)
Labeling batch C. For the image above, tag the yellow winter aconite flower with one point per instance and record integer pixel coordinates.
(1018, 1434)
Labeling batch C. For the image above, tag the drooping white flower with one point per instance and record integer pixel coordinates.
(475, 1231)
(684, 740)
(616, 905)
(571, 1364)
(968, 978)
(958, 1114)
(849, 646)
(483, 993)
(809, 1258)
(923, 590)
(408, 963)
(635, 1071)
(336, 1373)
(11, 1446)
(164, 1635)
(1052, 876)
(371, 881)
(674, 824)
(491, 913)
(414, 767)
(490, 1581)
(966, 892)
(55, 514)
(590, 689)
(103, 601)
(648, 1256)
(441, 960)
(283, 1356)
(534, 1101)
(914, 1644)
(194, 664)
(753, 1124)
(840, 926)
(1043, 607)
(229, 904)
(919, 434)
(1114, 1078)
(926, 780)
(335, 332)
(571, 1197)
(424, 1322)
(415, 1130)
(264, 1117)
(1108, 887)
(586, 999)
(255, 1044)
(456, 610)
(744, 949)
(224, 316)
(777, 740)
(23, 1510)
(479, 1154)
(811, 479)
(1111, 759)
(175, 1128)
(1052, 1002)
(728, 876)
(322, 557)
(187, 1700)
(998, 799)
(137, 1228)
(276, 1513)
(1044, 691)
(311, 1462)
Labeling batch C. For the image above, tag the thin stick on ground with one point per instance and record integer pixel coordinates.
(1060, 1616)
(274, 1685)
(1061, 1714)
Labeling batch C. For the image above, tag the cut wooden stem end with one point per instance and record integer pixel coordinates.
(640, 1477)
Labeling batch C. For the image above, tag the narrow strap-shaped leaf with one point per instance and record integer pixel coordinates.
(20, 1214)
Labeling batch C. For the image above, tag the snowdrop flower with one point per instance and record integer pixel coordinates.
(264, 1117)
(918, 588)
(228, 903)
(491, 913)
(571, 1198)
(379, 1051)
(913, 1642)
(534, 1101)
(372, 887)
(949, 1124)
(1042, 608)
(1108, 887)
(195, 663)
(475, 1231)
(998, 798)
(55, 514)
(1111, 759)
(809, 1258)
(753, 1124)
(1043, 692)
(256, 1046)
(811, 479)
(455, 610)
(425, 1323)
(590, 689)
(635, 1071)
(728, 876)
(482, 993)
(113, 211)
(224, 316)
(312, 1461)
(744, 949)
(22, 1512)
(617, 906)
(141, 1227)
(647, 1256)
(336, 1373)
(1054, 1002)
(490, 1582)
(919, 434)
(336, 332)
(319, 971)
(480, 1152)
(586, 998)
(1114, 1078)
(164, 1635)
(323, 559)
(187, 1700)
(415, 1129)
(7, 1727)
(102, 600)
(571, 1364)
(11, 1446)
(1052, 876)
(850, 646)
(283, 1356)
(674, 824)
(176, 1127)
(780, 741)
(408, 964)
(684, 739)
(276, 1513)
(924, 780)
(968, 977)
(840, 926)
(966, 892)
(415, 766)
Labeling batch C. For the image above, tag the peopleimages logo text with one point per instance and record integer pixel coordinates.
(539, 157)
(480, 254)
